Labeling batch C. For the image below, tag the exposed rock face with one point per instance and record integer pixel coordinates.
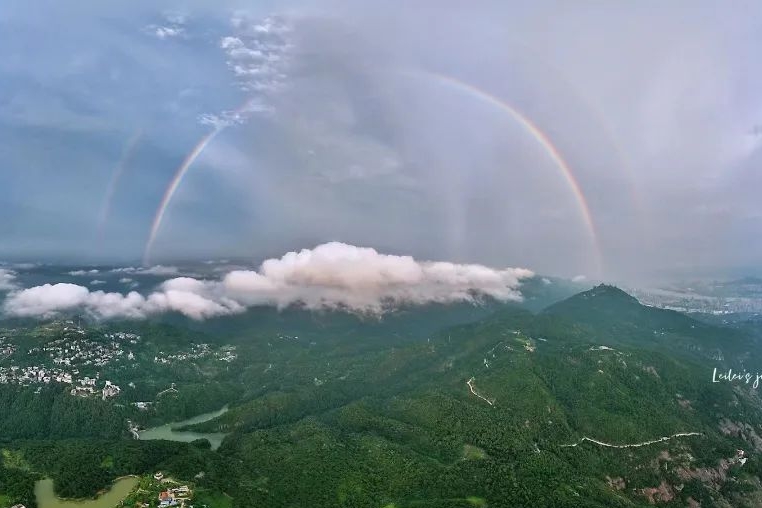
(685, 404)
(616, 483)
(742, 430)
(692, 503)
(661, 494)
(707, 475)
(651, 370)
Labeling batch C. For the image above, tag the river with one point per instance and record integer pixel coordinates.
(166, 431)
(46, 497)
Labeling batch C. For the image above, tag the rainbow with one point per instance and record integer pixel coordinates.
(542, 139)
(174, 184)
(475, 92)
(116, 175)
(182, 170)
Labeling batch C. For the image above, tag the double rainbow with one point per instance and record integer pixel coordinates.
(530, 127)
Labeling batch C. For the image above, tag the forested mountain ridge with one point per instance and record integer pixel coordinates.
(512, 409)
(605, 306)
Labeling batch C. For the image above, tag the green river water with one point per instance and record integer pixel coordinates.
(45, 494)
(166, 432)
(46, 497)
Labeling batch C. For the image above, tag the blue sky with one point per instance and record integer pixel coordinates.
(352, 139)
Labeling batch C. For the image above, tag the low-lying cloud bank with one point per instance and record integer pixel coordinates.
(82, 273)
(330, 276)
(158, 270)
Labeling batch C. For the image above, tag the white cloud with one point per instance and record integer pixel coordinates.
(332, 275)
(125, 280)
(50, 300)
(173, 26)
(7, 279)
(97, 282)
(336, 275)
(235, 117)
(46, 300)
(165, 32)
(158, 270)
(257, 54)
(579, 278)
(153, 270)
(81, 273)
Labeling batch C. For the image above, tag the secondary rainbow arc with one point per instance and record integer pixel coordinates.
(116, 176)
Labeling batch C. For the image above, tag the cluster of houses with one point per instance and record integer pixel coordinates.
(35, 374)
(87, 387)
(6, 348)
(60, 360)
(226, 354)
(69, 351)
(197, 351)
(176, 496)
(68, 355)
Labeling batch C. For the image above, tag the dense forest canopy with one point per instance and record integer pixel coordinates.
(339, 411)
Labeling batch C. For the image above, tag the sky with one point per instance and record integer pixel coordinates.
(616, 141)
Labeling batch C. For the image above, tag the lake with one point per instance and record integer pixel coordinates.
(166, 431)
(46, 497)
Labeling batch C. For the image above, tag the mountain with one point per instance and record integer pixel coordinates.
(611, 314)
(542, 291)
(489, 410)
(400, 324)
(596, 401)
(606, 305)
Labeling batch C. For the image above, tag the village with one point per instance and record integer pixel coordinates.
(160, 491)
(83, 387)
(86, 363)
(69, 356)
(197, 352)
(6, 348)
(174, 495)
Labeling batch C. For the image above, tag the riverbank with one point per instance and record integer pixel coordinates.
(44, 493)
(169, 431)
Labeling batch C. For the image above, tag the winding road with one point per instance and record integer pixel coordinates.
(471, 387)
(634, 445)
(470, 384)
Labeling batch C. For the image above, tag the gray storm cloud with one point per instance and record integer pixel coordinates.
(332, 275)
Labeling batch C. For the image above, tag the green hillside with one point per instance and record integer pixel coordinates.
(595, 401)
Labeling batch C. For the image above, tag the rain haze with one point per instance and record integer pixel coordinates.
(607, 140)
